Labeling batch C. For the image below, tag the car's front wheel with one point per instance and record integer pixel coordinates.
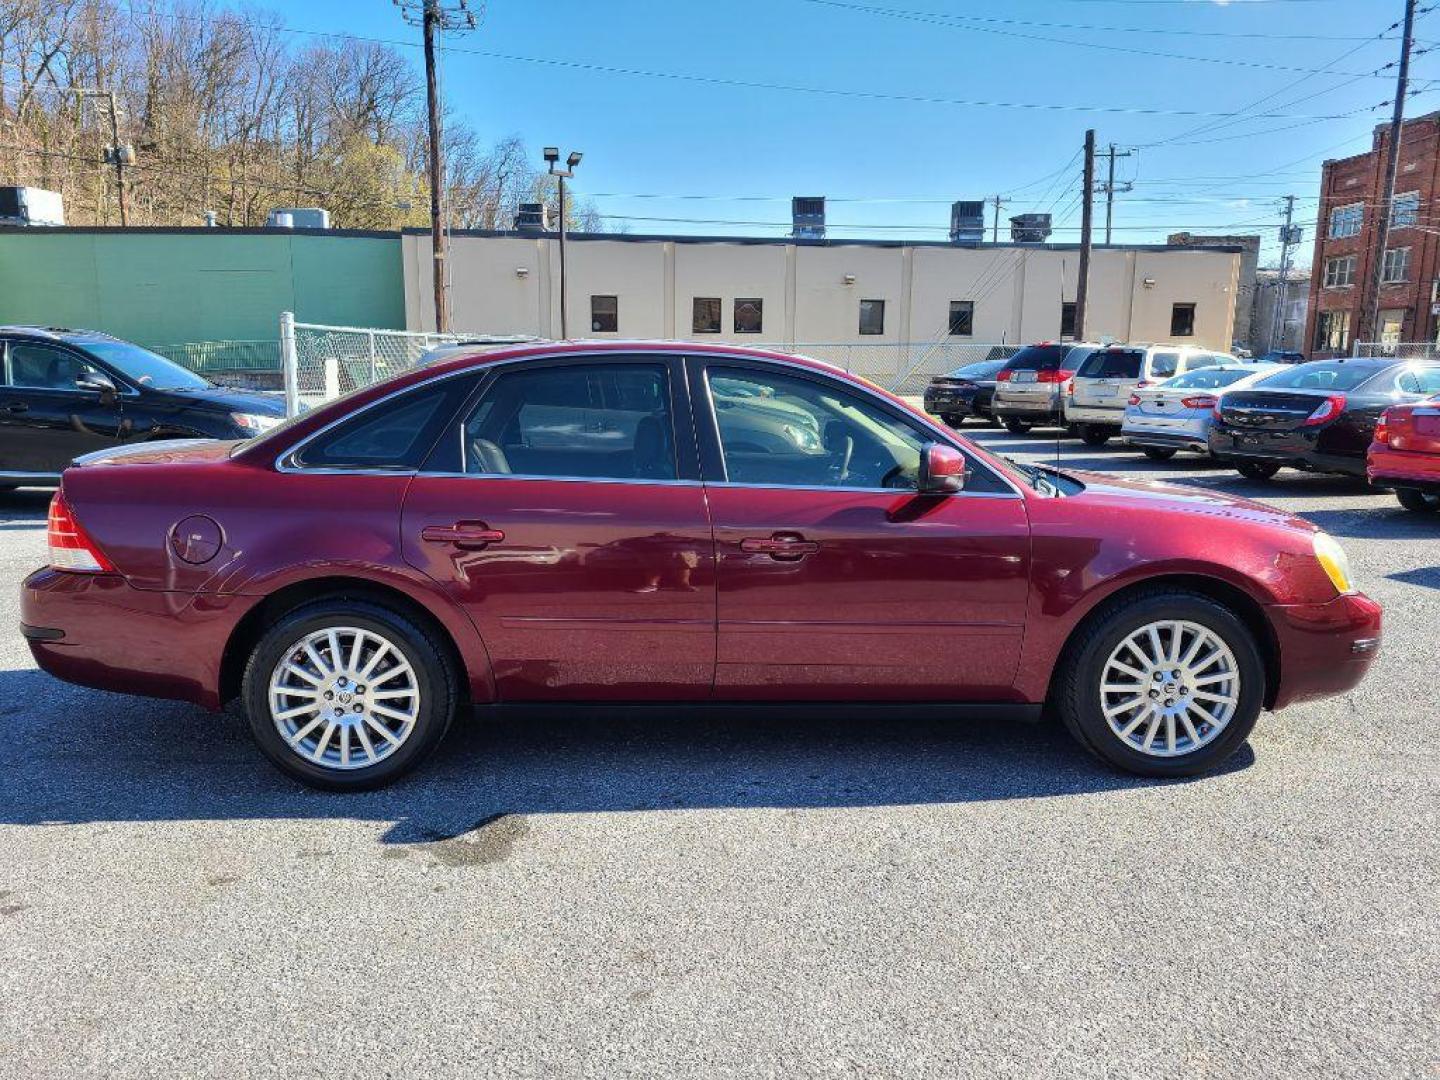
(1418, 502)
(1168, 683)
(347, 694)
(1257, 470)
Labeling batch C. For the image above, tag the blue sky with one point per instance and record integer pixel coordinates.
(903, 126)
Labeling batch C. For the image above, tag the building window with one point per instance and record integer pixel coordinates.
(605, 314)
(705, 317)
(872, 316)
(1067, 320)
(1405, 210)
(1332, 330)
(1346, 220)
(962, 318)
(1340, 272)
(1392, 326)
(749, 315)
(1396, 266)
(1182, 320)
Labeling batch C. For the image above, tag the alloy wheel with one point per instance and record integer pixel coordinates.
(1170, 688)
(344, 698)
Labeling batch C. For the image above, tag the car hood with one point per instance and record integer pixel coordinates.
(1146, 495)
(224, 398)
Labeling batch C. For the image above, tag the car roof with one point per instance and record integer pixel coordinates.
(56, 333)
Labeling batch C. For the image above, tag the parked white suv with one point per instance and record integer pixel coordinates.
(1096, 397)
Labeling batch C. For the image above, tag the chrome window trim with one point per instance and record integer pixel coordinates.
(943, 435)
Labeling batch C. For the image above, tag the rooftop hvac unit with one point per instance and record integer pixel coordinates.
(807, 217)
(298, 217)
(1030, 228)
(532, 217)
(29, 206)
(967, 222)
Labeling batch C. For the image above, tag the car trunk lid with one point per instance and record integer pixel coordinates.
(1270, 410)
(1415, 428)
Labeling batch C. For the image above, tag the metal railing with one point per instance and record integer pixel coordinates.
(1402, 350)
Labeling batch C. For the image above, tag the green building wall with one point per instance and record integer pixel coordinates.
(166, 286)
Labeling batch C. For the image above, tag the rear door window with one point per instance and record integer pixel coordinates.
(1112, 364)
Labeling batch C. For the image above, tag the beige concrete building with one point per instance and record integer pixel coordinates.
(832, 291)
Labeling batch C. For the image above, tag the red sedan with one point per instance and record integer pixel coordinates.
(1405, 454)
(675, 523)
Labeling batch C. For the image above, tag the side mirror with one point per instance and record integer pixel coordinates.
(97, 381)
(942, 470)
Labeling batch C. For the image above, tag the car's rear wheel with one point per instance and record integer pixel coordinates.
(1158, 453)
(1094, 434)
(1167, 683)
(1257, 470)
(348, 695)
(1017, 427)
(1418, 502)
(953, 420)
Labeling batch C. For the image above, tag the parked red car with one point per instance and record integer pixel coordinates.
(1405, 454)
(679, 523)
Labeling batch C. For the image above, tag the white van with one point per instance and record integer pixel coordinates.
(1095, 400)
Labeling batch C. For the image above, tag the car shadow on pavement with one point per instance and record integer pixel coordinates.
(91, 756)
(1385, 521)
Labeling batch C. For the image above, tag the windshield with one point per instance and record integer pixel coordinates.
(144, 367)
(1113, 364)
(1209, 378)
(1321, 375)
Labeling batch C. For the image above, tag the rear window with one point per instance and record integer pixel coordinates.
(1113, 364)
(1208, 379)
(1038, 358)
(1320, 375)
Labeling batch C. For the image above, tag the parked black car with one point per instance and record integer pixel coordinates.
(965, 392)
(1318, 416)
(64, 393)
(1281, 356)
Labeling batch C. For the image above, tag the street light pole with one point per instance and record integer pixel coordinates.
(552, 158)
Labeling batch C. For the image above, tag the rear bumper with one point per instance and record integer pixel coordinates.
(97, 630)
(1393, 468)
(954, 403)
(1325, 649)
(1288, 448)
(1094, 414)
(1026, 406)
(1167, 440)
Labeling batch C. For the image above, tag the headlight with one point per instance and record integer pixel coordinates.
(1334, 561)
(254, 421)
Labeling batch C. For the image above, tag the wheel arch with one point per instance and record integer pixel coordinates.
(1233, 598)
(253, 624)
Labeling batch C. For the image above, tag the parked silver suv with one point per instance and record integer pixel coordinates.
(1029, 389)
(1096, 397)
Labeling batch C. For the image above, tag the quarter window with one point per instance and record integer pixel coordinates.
(962, 318)
(394, 435)
(1346, 220)
(705, 316)
(1340, 272)
(1405, 210)
(598, 421)
(1396, 266)
(749, 315)
(1182, 320)
(43, 367)
(872, 316)
(605, 314)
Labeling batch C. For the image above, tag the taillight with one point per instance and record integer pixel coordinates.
(1328, 409)
(1058, 376)
(1215, 410)
(1142, 384)
(70, 547)
(1134, 399)
(1382, 428)
(1003, 375)
(1200, 401)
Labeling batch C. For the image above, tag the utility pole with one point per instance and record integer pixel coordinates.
(1370, 317)
(552, 159)
(433, 18)
(1082, 287)
(1109, 186)
(1288, 235)
(117, 153)
(995, 228)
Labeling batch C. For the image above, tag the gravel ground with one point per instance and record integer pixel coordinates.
(696, 895)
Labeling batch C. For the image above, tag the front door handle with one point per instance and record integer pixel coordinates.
(785, 547)
(464, 534)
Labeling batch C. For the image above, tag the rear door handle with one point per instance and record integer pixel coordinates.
(785, 547)
(464, 534)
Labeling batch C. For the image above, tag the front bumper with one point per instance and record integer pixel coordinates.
(1325, 649)
(97, 630)
(1294, 449)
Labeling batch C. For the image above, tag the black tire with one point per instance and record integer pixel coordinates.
(1094, 434)
(1157, 453)
(428, 659)
(1417, 502)
(953, 420)
(1077, 694)
(1257, 470)
(1017, 427)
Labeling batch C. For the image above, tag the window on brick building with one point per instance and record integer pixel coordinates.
(1332, 330)
(1396, 266)
(1405, 210)
(1346, 220)
(1340, 272)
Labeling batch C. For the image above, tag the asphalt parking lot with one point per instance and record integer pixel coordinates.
(682, 895)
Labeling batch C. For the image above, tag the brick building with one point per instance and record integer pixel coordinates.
(1350, 191)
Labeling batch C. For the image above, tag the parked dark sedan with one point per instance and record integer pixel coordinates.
(1318, 416)
(965, 392)
(64, 393)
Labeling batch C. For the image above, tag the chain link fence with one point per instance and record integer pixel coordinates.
(1401, 350)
